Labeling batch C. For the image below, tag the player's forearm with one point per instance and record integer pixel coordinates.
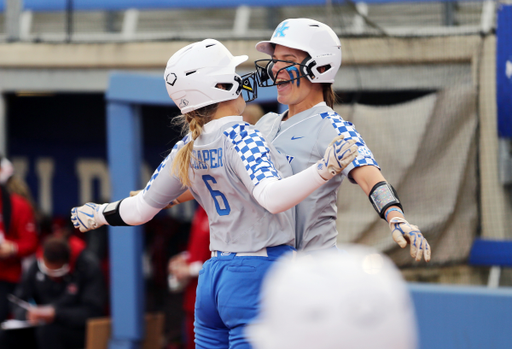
(280, 195)
(132, 211)
(366, 177)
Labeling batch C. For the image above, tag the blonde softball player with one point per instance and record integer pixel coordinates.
(240, 180)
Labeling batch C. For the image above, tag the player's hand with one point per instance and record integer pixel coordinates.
(85, 217)
(405, 233)
(8, 249)
(338, 155)
(134, 192)
(178, 266)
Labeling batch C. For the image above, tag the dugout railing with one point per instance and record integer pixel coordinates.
(114, 20)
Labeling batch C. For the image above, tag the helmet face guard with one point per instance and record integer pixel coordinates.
(296, 71)
(247, 86)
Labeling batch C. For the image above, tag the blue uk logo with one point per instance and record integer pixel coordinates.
(280, 30)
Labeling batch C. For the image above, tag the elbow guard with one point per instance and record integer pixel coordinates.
(382, 196)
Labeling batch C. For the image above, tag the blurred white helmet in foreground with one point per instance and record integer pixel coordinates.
(356, 299)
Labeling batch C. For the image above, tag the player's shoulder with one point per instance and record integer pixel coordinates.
(179, 144)
(182, 142)
(334, 121)
(269, 118)
(331, 116)
(269, 123)
(242, 132)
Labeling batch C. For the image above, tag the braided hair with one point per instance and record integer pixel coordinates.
(192, 122)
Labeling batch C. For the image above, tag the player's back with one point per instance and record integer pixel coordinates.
(229, 159)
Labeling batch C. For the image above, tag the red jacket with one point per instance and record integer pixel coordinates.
(22, 231)
(198, 250)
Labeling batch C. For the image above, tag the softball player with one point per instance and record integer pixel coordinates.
(305, 57)
(236, 176)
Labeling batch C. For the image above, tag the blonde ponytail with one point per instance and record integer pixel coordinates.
(192, 122)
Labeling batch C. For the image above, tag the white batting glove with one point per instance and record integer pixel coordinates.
(86, 217)
(338, 155)
(405, 233)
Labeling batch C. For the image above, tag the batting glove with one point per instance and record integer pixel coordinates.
(86, 217)
(338, 155)
(405, 233)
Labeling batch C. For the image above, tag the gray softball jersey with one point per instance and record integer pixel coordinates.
(228, 164)
(303, 139)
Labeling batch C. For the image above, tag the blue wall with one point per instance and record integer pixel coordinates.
(60, 5)
(465, 317)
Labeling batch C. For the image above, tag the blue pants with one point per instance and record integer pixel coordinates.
(228, 297)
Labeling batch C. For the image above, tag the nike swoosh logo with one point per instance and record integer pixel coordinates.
(88, 214)
(294, 138)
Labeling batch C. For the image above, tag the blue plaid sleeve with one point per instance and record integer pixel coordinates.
(347, 129)
(253, 151)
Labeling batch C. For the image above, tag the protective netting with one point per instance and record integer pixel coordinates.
(427, 149)
(423, 96)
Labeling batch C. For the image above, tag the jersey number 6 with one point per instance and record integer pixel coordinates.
(217, 196)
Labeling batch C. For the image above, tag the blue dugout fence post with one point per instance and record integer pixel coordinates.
(504, 70)
(126, 243)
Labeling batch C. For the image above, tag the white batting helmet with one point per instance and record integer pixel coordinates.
(193, 72)
(353, 299)
(315, 38)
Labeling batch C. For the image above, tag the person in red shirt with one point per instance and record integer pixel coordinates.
(184, 269)
(18, 239)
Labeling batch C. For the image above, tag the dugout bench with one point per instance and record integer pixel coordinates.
(494, 254)
(99, 331)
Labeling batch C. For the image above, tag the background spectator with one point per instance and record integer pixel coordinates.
(66, 286)
(18, 237)
(184, 269)
(16, 185)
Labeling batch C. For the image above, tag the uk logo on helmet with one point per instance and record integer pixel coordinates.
(280, 30)
(171, 79)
